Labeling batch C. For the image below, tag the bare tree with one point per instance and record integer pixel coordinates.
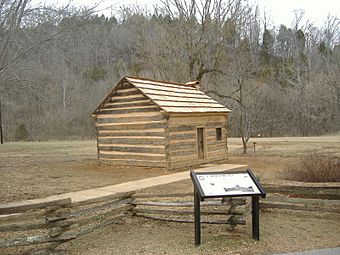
(57, 63)
(188, 40)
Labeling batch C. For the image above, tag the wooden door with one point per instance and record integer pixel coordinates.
(200, 143)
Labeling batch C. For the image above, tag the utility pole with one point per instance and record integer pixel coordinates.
(1, 134)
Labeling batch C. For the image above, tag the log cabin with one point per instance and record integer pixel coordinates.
(145, 122)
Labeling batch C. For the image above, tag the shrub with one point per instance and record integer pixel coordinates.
(315, 168)
(21, 133)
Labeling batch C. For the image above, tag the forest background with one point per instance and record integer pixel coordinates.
(57, 63)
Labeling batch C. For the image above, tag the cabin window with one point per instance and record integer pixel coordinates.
(218, 134)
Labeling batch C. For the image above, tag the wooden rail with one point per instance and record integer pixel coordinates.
(58, 221)
(307, 190)
(319, 197)
(179, 207)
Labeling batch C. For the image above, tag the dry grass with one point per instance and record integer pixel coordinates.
(315, 168)
(31, 170)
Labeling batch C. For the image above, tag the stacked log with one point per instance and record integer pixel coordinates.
(183, 149)
(130, 129)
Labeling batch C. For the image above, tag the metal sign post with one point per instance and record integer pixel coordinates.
(197, 208)
(231, 184)
(255, 213)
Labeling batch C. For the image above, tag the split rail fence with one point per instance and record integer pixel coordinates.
(318, 197)
(180, 208)
(40, 228)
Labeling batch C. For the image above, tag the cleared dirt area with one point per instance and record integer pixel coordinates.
(289, 146)
(40, 169)
(281, 231)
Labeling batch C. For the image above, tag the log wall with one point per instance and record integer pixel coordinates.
(133, 130)
(130, 129)
(183, 148)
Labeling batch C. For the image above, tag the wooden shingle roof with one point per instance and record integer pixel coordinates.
(174, 97)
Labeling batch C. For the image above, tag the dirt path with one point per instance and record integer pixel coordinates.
(89, 194)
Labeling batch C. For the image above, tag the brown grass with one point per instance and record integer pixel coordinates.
(315, 168)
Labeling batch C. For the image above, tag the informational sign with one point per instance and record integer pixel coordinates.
(224, 184)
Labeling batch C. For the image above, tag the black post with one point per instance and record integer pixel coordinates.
(197, 205)
(255, 217)
(1, 134)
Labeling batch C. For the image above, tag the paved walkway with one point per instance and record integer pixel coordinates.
(84, 195)
(330, 251)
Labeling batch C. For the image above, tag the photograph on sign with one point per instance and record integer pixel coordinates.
(227, 184)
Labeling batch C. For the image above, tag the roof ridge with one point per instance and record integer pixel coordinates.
(169, 94)
(154, 80)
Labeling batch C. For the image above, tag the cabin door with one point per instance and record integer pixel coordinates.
(200, 143)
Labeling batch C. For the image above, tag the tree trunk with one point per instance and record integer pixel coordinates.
(1, 134)
(242, 120)
(64, 96)
(244, 147)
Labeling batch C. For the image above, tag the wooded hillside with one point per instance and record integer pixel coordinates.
(56, 65)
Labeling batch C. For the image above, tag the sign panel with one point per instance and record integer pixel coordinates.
(227, 184)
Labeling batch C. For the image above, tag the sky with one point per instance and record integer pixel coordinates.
(282, 11)
(277, 11)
